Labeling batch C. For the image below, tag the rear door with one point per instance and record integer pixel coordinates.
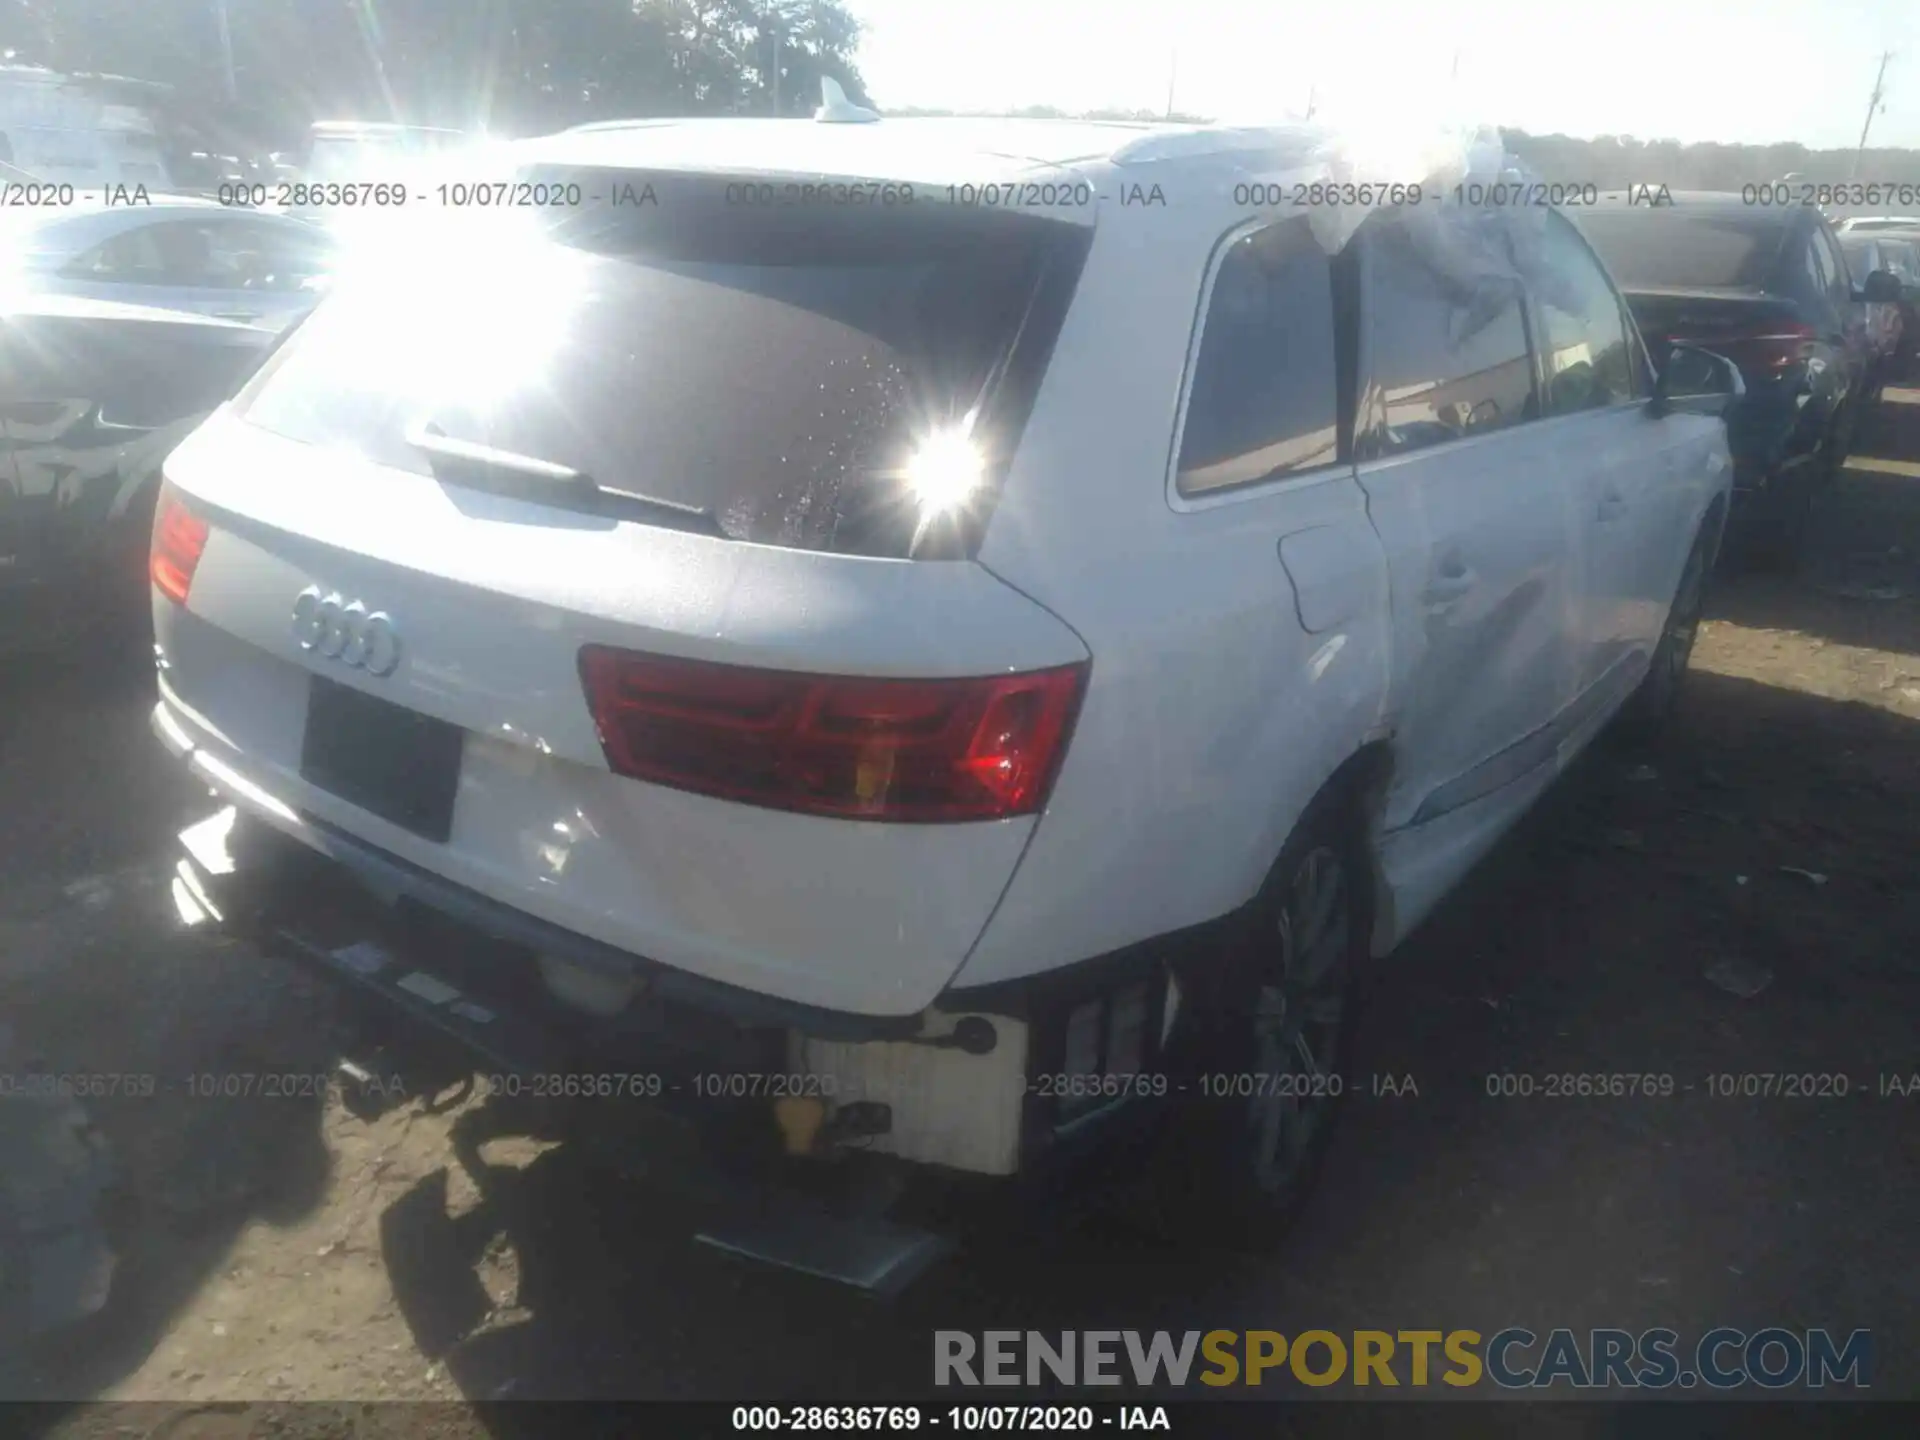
(1629, 471)
(1473, 501)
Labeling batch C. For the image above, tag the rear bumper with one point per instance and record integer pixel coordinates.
(393, 879)
(440, 1002)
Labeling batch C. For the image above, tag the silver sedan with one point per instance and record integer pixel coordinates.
(175, 253)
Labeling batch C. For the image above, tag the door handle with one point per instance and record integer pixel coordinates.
(1611, 507)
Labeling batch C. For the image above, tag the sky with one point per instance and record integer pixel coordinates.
(1737, 71)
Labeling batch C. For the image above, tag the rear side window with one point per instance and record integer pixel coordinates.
(1448, 356)
(1587, 360)
(133, 257)
(1839, 283)
(779, 369)
(1263, 403)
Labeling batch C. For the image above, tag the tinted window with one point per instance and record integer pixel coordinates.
(1586, 337)
(1839, 287)
(1263, 401)
(1448, 358)
(778, 369)
(132, 257)
(1686, 249)
(212, 254)
(245, 254)
(1816, 270)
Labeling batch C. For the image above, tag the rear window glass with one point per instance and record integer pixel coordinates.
(775, 368)
(1686, 250)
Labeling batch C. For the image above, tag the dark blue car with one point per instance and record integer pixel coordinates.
(1767, 287)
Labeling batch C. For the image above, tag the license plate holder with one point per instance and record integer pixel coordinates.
(396, 763)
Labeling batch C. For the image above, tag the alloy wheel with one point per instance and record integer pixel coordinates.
(1298, 1021)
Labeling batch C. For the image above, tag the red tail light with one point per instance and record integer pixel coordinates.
(1778, 346)
(179, 536)
(900, 750)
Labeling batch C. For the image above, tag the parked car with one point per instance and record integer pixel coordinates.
(175, 253)
(366, 150)
(1900, 252)
(1872, 224)
(1866, 253)
(916, 691)
(92, 396)
(1769, 289)
(88, 131)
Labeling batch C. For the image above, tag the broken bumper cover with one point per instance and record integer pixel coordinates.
(651, 1088)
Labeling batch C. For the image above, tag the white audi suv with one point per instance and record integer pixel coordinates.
(921, 648)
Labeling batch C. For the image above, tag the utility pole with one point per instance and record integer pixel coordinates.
(776, 71)
(1173, 75)
(1873, 104)
(226, 49)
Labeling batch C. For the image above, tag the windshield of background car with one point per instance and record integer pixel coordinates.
(778, 369)
(1686, 250)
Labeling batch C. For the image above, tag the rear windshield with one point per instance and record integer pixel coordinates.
(1701, 249)
(1860, 257)
(775, 367)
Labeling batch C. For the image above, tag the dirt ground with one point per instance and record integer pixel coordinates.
(277, 1249)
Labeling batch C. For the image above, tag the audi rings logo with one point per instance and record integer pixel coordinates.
(346, 631)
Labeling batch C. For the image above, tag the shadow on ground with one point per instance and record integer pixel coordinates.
(1586, 945)
(146, 1019)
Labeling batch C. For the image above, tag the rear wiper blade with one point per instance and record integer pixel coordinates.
(558, 484)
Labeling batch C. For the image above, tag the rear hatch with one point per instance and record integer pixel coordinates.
(611, 559)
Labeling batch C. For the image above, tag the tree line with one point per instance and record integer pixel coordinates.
(517, 67)
(511, 67)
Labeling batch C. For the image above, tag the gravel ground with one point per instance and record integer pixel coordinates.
(277, 1249)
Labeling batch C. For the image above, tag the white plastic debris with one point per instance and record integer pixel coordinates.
(1739, 977)
(1812, 877)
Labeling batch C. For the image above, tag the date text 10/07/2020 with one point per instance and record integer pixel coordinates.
(992, 1418)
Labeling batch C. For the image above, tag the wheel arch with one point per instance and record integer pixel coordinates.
(1357, 791)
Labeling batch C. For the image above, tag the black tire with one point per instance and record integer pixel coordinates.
(1650, 708)
(1272, 1039)
(1838, 445)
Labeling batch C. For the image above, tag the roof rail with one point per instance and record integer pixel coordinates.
(632, 123)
